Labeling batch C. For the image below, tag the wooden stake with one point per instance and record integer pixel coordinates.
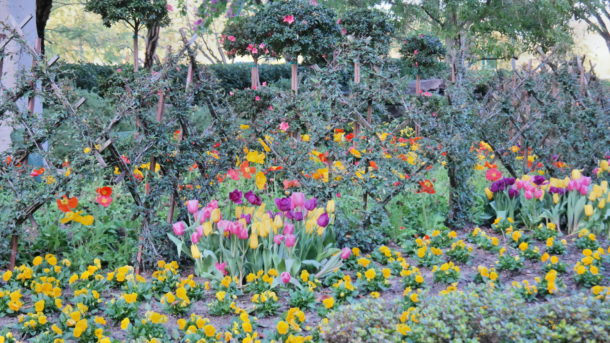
(356, 72)
(294, 84)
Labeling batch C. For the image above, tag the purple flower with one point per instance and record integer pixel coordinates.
(323, 219)
(236, 196)
(539, 179)
(497, 186)
(283, 204)
(253, 199)
(513, 193)
(247, 217)
(295, 215)
(310, 204)
(557, 190)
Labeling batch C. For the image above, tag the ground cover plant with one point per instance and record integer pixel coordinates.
(167, 204)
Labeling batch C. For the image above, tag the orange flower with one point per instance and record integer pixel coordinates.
(37, 172)
(373, 165)
(246, 170)
(275, 168)
(104, 191)
(66, 204)
(426, 186)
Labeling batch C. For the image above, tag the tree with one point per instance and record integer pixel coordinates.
(152, 14)
(43, 10)
(595, 13)
(500, 29)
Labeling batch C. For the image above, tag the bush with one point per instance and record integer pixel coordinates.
(477, 315)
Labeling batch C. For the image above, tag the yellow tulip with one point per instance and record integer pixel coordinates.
(195, 251)
(489, 193)
(253, 242)
(261, 180)
(588, 210)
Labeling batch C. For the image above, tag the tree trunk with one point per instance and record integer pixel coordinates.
(43, 11)
(152, 40)
(294, 79)
(136, 66)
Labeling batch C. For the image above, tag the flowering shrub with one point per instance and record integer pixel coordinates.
(422, 54)
(298, 28)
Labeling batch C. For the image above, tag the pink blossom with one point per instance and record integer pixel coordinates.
(179, 228)
(538, 193)
(199, 231)
(225, 226)
(221, 267)
(103, 200)
(285, 277)
(277, 239)
(345, 253)
(264, 84)
(297, 199)
(415, 52)
(233, 174)
(289, 19)
(284, 126)
(231, 38)
(291, 240)
(257, 98)
(528, 194)
(288, 229)
(195, 238)
(169, 7)
(192, 206)
(270, 108)
(243, 233)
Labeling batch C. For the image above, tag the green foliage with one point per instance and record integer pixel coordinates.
(474, 315)
(423, 54)
(250, 103)
(369, 34)
(132, 12)
(298, 28)
(239, 38)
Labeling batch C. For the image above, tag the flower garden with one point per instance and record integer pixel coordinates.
(335, 198)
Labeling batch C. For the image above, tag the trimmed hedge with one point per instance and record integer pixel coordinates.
(95, 77)
(476, 315)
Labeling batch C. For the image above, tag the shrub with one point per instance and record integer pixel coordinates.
(298, 28)
(422, 53)
(369, 33)
(476, 315)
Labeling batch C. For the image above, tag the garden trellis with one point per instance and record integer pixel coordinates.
(105, 149)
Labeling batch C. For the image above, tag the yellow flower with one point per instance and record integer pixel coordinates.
(125, 324)
(329, 302)
(130, 298)
(195, 251)
(255, 157)
(260, 180)
(403, 329)
(588, 210)
(305, 138)
(81, 326)
(39, 306)
(253, 241)
(375, 295)
(489, 194)
(282, 327)
(370, 274)
(7, 275)
(209, 330)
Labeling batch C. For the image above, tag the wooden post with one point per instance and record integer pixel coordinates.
(294, 84)
(417, 85)
(356, 72)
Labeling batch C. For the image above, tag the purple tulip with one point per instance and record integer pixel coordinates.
(310, 204)
(247, 217)
(513, 193)
(557, 190)
(345, 253)
(323, 219)
(192, 206)
(283, 204)
(236, 196)
(179, 228)
(253, 199)
(539, 179)
(295, 215)
(291, 240)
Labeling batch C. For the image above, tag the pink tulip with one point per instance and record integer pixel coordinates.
(297, 199)
(225, 225)
(285, 277)
(291, 240)
(221, 267)
(243, 233)
(195, 237)
(277, 239)
(528, 195)
(199, 231)
(192, 206)
(288, 229)
(179, 228)
(345, 253)
(538, 193)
